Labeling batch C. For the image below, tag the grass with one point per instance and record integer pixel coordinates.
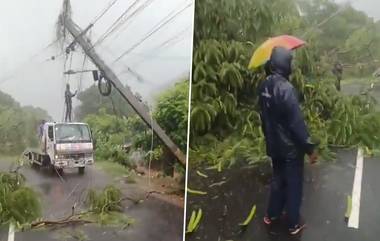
(112, 168)
(110, 219)
(8, 158)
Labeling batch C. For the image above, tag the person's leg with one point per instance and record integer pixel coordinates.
(66, 115)
(294, 185)
(277, 192)
(69, 113)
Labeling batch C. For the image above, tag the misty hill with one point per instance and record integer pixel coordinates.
(18, 124)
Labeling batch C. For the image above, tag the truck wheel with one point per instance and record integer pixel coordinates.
(81, 170)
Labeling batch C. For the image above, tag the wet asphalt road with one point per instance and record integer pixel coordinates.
(154, 219)
(326, 187)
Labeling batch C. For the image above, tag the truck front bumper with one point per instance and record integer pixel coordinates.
(65, 163)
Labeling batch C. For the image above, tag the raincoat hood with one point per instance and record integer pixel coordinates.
(281, 62)
(267, 68)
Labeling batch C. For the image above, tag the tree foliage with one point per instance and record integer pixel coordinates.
(112, 132)
(91, 101)
(171, 113)
(240, 20)
(225, 124)
(18, 203)
(18, 125)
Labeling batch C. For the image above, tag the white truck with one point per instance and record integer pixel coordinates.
(63, 146)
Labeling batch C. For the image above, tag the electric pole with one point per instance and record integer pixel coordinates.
(84, 42)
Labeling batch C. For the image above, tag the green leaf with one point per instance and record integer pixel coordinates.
(196, 192)
(250, 217)
(202, 174)
(349, 206)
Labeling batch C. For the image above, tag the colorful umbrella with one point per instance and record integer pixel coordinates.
(262, 53)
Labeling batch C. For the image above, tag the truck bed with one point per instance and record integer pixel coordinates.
(34, 150)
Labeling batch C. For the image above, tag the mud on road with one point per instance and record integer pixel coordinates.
(159, 217)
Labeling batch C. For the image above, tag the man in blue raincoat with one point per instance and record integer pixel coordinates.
(287, 139)
(69, 102)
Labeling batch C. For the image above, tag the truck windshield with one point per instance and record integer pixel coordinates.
(69, 133)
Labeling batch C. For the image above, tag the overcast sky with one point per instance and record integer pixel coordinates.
(371, 7)
(26, 27)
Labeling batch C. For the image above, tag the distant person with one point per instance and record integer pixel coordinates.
(68, 102)
(338, 72)
(41, 129)
(287, 140)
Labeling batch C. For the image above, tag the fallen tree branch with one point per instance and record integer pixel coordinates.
(154, 192)
(72, 219)
(76, 218)
(49, 223)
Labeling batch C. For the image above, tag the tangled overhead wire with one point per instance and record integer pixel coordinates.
(104, 85)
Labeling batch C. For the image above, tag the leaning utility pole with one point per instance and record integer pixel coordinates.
(84, 42)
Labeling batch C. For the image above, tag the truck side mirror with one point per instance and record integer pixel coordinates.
(51, 133)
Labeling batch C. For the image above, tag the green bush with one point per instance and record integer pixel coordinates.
(18, 125)
(112, 132)
(18, 203)
(226, 126)
(108, 200)
(171, 113)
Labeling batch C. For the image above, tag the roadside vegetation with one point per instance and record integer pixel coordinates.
(122, 137)
(18, 125)
(225, 124)
(119, 134)
(19, 203)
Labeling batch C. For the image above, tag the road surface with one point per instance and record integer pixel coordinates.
(326, 187)
(160, 217)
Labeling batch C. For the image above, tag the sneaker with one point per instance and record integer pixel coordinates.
(268, 220)
(297, 229)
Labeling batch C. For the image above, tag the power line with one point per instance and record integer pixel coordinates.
(152, 32)
(83, 67)
(134, 14)
(155, 56)
(168, 43)
(81, 74)
(17, 69)
(173, 39)
(63, 85)
(115, 23)
(126, 67)
(70, 65)
(113, 2)
(324, 21)
(160, 22)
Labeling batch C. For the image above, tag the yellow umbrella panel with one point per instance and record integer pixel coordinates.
(264, 51)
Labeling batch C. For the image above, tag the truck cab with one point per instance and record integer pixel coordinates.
(65, 145)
